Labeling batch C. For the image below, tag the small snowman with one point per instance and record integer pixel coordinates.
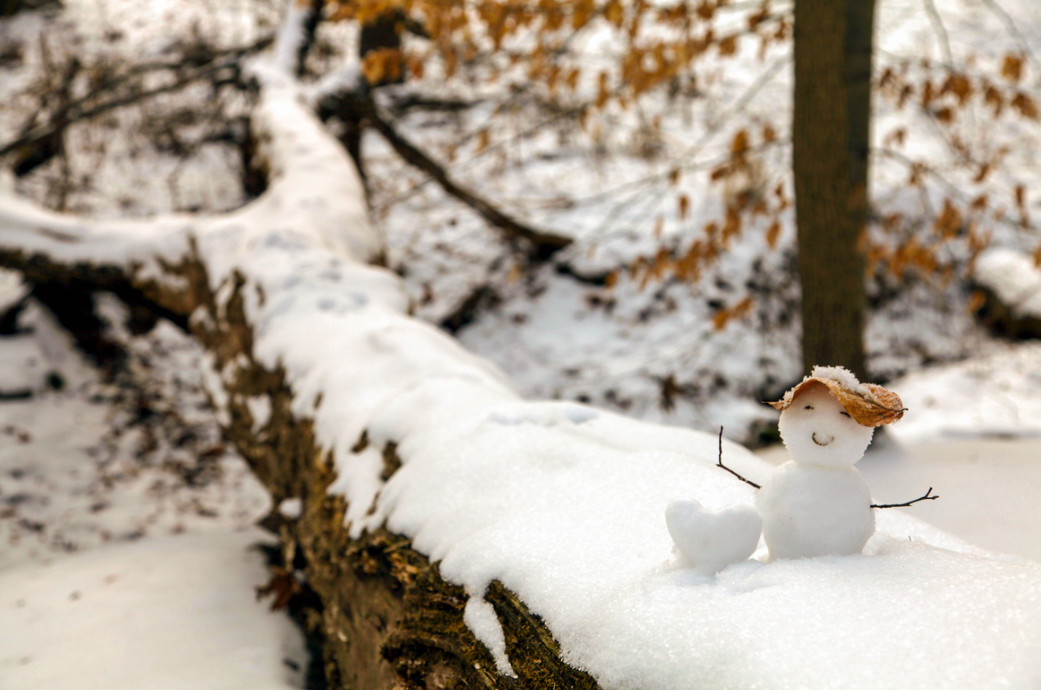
(815, 504)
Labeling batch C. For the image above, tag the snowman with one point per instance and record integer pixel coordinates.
(817, 503)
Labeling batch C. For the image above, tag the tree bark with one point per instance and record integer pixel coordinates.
(830, 132)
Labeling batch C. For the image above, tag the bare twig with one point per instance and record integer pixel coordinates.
(719, 463)
(941, 31)
(544, 242)
(1013, 28)
(927, 497)
(310, 30)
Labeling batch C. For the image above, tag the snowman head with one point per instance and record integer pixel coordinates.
(818, 430)
(828, 419)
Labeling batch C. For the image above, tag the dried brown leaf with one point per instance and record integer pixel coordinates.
(1012, 68)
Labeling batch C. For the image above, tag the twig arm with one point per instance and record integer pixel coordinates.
(929, 496)
(719, 463)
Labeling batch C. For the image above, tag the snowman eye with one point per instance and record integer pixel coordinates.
(808, 407)
(845, 414)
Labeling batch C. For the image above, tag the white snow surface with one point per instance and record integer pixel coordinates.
(480, 617)
(174, 612)
(128, 554)
(841, 374)
(712, 541)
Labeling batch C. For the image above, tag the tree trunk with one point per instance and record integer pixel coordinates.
(830, 132)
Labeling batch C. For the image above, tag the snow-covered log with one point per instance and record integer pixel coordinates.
(292, 267)
(457, 535)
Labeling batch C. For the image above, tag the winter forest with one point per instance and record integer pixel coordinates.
(626, 344)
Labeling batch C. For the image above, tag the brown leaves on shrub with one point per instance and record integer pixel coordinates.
(1012, 68)
(727, 314)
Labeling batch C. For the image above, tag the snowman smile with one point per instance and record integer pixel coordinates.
(819, 442)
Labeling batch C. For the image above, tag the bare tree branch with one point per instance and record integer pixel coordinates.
(89, 106)
(941, 31)
(927, 497)
(545, 242)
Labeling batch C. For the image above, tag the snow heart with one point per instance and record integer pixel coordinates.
(816, 504)
(712, 541)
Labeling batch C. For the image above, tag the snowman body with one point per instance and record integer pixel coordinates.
(813, 511)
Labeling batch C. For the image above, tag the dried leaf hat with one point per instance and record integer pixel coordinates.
(867, 403)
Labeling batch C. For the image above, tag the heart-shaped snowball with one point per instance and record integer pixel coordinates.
(712, 541)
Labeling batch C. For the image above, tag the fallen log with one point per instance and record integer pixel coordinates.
(387, 615)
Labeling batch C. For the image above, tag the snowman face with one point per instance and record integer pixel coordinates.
(818, 431)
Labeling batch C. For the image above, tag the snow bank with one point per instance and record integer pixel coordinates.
(996, 394)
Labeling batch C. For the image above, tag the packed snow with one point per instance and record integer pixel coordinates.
(817, 503)
(129, 553)
(164, 612)
(712, 541)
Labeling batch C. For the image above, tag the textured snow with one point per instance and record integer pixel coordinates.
(840, 374)
(173, 612)
(480, 617)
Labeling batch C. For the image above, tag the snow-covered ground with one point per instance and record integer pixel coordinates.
(564, 504)
(128, 548)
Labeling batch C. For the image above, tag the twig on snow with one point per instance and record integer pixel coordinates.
(927, 497)
(719, 463)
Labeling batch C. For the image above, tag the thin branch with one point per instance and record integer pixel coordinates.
(1013, 28)
(941, 31)
(74, 113)
(719, 463)
(310, 32)
(545, 242)
(929, 496)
